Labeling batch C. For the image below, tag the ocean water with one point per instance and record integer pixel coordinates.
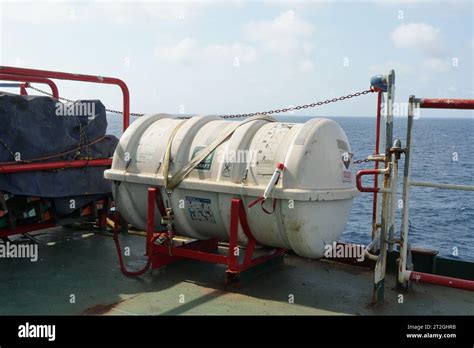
(443, 151)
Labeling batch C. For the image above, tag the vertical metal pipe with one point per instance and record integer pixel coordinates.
(380, 266)
(401, 282)
(388, 144)
(376, 177)
(393, 191)
(150, 223)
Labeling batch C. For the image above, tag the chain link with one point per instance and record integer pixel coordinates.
(251, 114)
(361, 161)
(300, 107)
(73, 101)
(47, 93)
(269, 112)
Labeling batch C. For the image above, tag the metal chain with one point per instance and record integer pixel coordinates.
(269, 112)
(47, 93)
(299, 107)
(73, 101)
(361, 161)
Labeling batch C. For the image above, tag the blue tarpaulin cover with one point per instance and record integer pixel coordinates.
(30, 128)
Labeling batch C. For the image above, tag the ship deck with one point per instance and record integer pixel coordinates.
(84, 264)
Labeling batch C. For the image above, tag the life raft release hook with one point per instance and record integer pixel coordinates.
(274, 180)
(268, 190)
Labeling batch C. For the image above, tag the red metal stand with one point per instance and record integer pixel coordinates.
(200, 250)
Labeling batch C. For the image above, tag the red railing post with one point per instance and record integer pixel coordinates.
(23, 87)
(29, 167)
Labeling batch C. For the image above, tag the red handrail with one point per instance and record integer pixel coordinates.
(364, 172)
(30, 167)
(445, 103)
(437, 279)
(26, 78)
(43, 76)
(77, 77)
(359, 176)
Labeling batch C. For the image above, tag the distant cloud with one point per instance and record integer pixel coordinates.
(190, 49)
(285, 35)
(122, 12)
(420, 36)
(436, 65)
(241, 52)
(287, 25)
(399, 67)
(402, 2)
(177, 52)
(39, 12)
(306, 66)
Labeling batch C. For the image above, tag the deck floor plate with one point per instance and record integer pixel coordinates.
(77, 263)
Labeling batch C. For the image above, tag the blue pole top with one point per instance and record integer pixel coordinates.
(379, 82)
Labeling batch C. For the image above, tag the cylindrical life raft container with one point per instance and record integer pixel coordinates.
(307, 208)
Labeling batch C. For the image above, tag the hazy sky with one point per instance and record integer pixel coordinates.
(240, 56)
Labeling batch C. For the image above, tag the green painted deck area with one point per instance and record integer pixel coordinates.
(85, 265)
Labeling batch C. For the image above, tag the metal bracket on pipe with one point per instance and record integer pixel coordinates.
(377, 157)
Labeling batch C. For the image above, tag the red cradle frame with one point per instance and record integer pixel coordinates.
(43, 76)
(201, 250)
